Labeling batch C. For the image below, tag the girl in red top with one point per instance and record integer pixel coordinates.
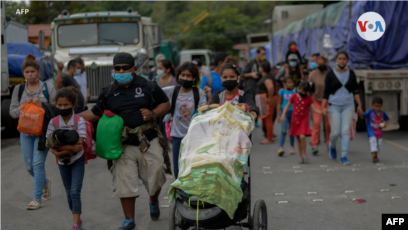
(300, 117)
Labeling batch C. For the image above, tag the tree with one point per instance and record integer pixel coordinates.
(11, 8)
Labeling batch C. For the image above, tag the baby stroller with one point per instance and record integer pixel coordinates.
(183, 216)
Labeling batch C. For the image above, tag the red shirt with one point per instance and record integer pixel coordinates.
(234, 99)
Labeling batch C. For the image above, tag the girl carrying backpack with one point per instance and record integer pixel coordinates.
(72, 171)
(185, 99)
(33, 93)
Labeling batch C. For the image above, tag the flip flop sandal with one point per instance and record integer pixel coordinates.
(47, 192)
(35, 204)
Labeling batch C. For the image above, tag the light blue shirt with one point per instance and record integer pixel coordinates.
(342, 96)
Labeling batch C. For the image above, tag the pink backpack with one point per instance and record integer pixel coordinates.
(89, 143)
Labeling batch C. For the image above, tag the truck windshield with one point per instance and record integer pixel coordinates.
(98, 34)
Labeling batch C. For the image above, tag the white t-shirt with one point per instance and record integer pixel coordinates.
(81, 79)
(183, 112)
(70, 126)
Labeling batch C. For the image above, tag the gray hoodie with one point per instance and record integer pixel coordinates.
(39, 92)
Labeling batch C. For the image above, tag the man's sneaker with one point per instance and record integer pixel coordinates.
(315, 150)
(375, 160)
(292, 150)
(127, 224)
(333, 153)
(154, 211)
(281, 151)
(344, 161)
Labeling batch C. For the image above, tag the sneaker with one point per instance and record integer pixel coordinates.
(80, 224)
(333, 153)
(75, 227)
(375, 160)
(281, 151)
(344, 161)
(315, 150)
(302, 161)
(292, 150)
(154, 211)
(256, 125)
(127, 224)
(306, 160)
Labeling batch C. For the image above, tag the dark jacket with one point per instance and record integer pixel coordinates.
(332, 84)
(247, 98)
(50, 113)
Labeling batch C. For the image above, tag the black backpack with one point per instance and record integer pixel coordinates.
(21, 91)
(175, 95)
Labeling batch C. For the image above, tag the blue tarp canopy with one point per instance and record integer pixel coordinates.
(16, 53)
(330, 30)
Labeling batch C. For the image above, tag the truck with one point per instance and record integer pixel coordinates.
(5, 91)
(97, 36)
(203, 54)
(281, 16)
(381, 66)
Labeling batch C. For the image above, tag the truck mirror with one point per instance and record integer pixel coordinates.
(41, 40)
(157, 39)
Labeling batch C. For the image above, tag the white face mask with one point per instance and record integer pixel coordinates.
(160, 73)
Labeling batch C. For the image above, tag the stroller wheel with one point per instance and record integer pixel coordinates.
(260, 216)
(175, 220)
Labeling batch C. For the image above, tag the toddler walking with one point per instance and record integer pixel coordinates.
(376, 121)
(300, 117)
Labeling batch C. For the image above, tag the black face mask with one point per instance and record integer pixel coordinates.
(230, 84)
(303, 94)
(322, 67)
(186, 83)
(64, 112)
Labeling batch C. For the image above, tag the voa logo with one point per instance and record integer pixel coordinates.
(370, 26)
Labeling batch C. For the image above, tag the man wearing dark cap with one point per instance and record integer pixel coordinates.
(139, 102)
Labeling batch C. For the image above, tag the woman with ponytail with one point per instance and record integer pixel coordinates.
(230, 76)
(38, 92)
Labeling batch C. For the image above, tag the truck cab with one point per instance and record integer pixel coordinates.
(204, 55)
(97, 36)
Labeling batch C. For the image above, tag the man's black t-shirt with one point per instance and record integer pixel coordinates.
(70, 81)
(127, 102)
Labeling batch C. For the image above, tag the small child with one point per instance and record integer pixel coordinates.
(72, 173)
(284, 95)
(376, 121)
(300, 117)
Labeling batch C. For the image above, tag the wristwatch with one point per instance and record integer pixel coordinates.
(154, 116)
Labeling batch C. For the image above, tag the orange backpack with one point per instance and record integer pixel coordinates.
(31, 119)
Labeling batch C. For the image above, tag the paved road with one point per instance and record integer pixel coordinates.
(327, 178)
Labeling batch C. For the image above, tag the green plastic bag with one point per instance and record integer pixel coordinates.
(109, 136)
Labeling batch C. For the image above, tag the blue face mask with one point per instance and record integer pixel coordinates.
(293, 63)
(122, 78)
(77, 72)
(313, 65)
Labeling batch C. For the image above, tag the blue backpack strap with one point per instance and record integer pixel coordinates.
(46, 92)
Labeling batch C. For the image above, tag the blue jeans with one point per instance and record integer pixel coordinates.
(34, 161)
(285, 129)
(341, 118)
(72, 177)
(176, 151)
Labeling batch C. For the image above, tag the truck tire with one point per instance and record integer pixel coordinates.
(7, 121)
(361, 124)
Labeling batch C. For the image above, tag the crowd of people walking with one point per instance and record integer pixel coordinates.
(159, 110)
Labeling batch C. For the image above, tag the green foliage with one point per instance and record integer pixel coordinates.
(11, 8)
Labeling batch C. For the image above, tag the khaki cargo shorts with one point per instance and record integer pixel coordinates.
(126, 174)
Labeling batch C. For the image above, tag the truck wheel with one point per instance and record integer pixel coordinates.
(361, 124)
(7, 121)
